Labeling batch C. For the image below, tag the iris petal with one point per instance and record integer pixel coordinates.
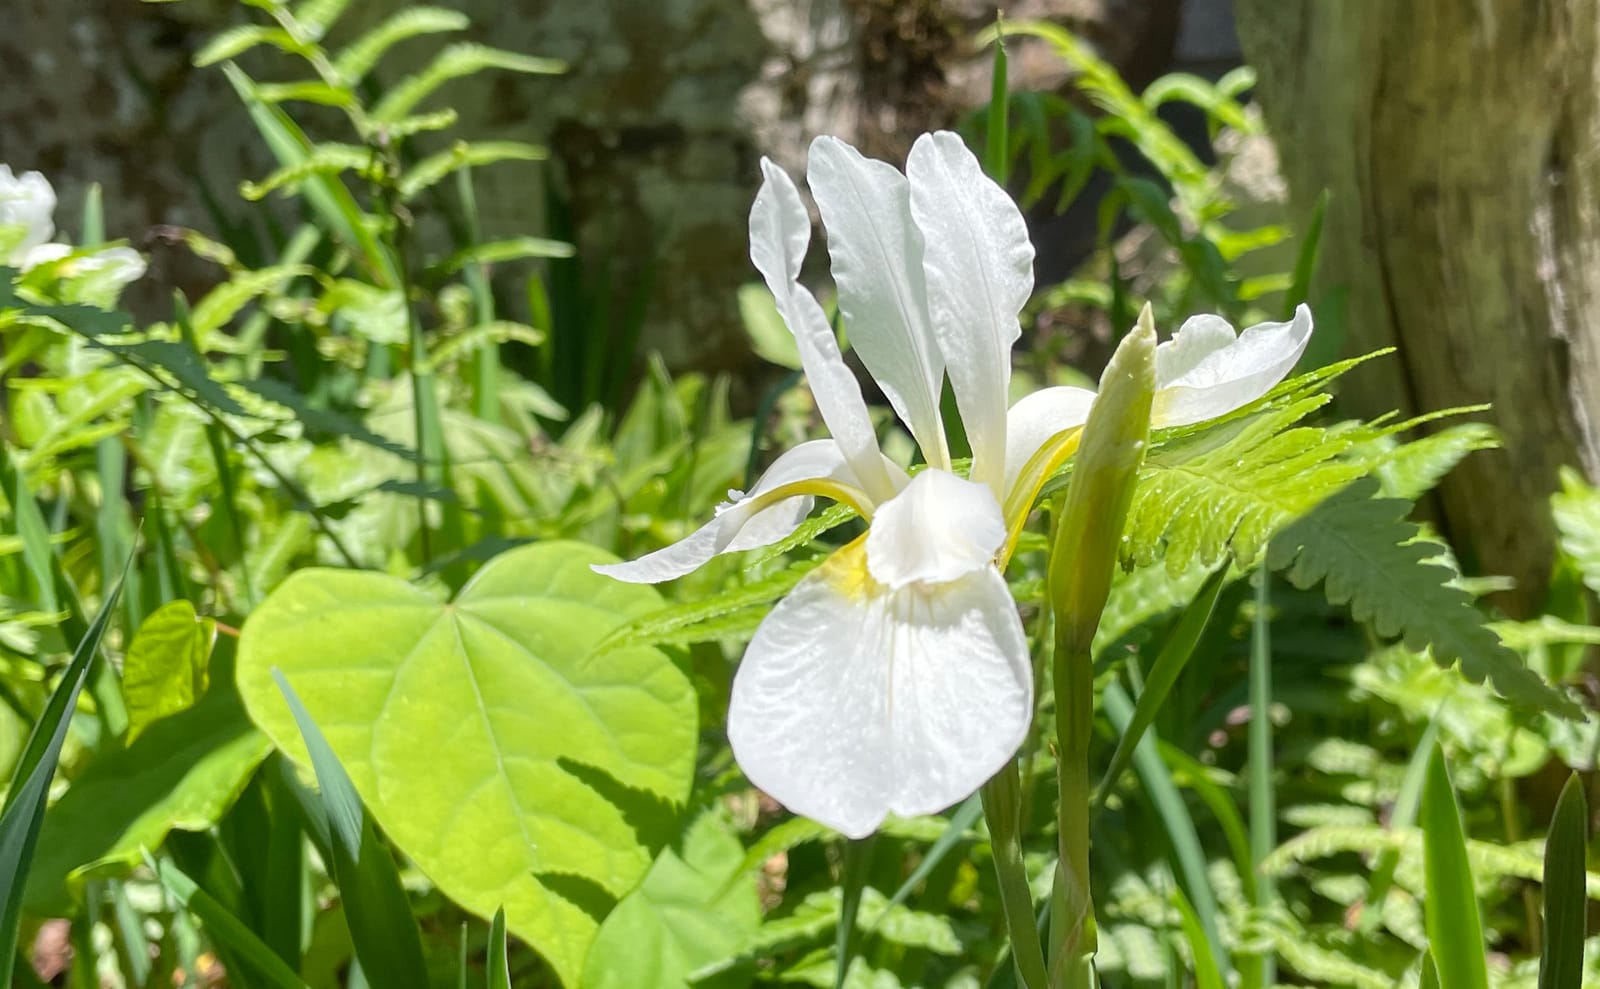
(876, 252)
(1205, 371)
(979, 267)
(855, 701)
(1036, 419)
(744, 524)
(780, 230)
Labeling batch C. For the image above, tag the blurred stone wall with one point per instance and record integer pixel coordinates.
(655, 132)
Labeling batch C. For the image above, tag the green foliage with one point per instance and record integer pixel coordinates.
(692, 909)
(551, 795)
(375, 906)
(509, 735)
(1565, 904)
(183, 773)
(165, 670)
(1368, 556)
(23, 812)
(1455, 930)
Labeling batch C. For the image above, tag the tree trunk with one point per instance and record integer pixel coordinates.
(1457, 140)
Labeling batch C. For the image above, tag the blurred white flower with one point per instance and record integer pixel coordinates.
(895, 678)
(27, 204)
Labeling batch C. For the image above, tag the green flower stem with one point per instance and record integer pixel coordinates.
(1082, 561)
(1002, 809)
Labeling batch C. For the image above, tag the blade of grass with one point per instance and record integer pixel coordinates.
(224, 928)
(1261, 971)
(1169, 664)
(1565, 903)
(113, 530)
(1206, 975)
(382, 927)
(1450, 910)
(996, 158)
(326, 194)
(1402, 815)
(1305, 263)
(499, 966)
(1430, 972)
(219, 455)
(94, 218)
(30, 783)
(1189, 858)
(857, 857)
(960, 823)
(485, 378)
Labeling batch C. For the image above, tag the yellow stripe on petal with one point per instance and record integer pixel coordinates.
(1038, 469)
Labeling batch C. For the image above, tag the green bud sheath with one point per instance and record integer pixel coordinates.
(1103, 474)
(1082, 561)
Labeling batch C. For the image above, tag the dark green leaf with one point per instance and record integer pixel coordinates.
(1450, 906)
(30, 784)
(1566, 906)
(376, 908)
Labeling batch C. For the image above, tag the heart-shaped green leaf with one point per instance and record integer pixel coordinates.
(509, 763)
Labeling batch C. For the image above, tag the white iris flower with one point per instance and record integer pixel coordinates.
(27, 204)
(27, 222)
(895, 678)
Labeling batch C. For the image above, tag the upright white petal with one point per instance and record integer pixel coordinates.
(939, 528)
(876, 252)
(28, 202)
(780, 231)
(1036, 418)
(1205, 370)
(743, 525)
(979, 267)
(855, 701)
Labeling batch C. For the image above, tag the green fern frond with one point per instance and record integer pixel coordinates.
(356, 60)
(1408, 470)
(455, 62)
(699, 621)
(498, 251)
(222, 303)
(1491, 863)
(1577, 514)
(316, 16)
(305, 91)
(1370, 557)
(323, 159)
(808, 532)
(417, 123)
(431, 169)
(237, 40)
(1230, 489)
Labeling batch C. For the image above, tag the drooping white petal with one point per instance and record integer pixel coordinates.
(742, 525)
(979, 267)
(1036, 418)
(876, 252)
(1206, 371)
(939, 528)
(855, 701)
(780, 231)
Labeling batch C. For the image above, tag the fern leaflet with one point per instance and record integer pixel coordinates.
(1367, 555)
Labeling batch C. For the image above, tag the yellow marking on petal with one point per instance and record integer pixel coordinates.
(817, 486)
(1019, 501)
(846, 570)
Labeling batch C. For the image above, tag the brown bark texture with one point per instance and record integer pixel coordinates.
(1457, 140)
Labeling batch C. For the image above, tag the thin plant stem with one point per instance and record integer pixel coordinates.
(1263, 808)
(1072, 921)
(1002, 808)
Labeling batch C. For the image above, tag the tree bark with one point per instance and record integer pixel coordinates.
(1457, 141)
